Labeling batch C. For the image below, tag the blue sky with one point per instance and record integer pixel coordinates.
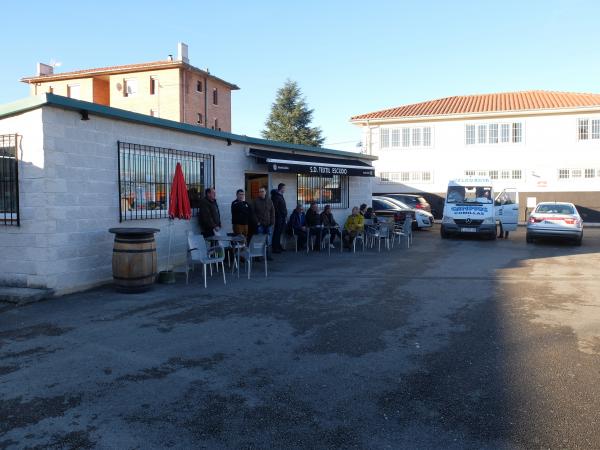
(349, 57)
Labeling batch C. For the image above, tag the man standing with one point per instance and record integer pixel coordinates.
(241, 213)
(208, 214)
(264, 213)
(280, 216)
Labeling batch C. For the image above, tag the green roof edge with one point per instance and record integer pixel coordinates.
(30, 103)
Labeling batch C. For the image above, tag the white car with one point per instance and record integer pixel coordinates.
(423, 218)
(556, 220)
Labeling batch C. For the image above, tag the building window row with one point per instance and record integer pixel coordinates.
(405, 137)
(496, 174)
(568, 173)
(588, 129)
(146, 174)
(323, 190)
(494, 133)
(406, 177)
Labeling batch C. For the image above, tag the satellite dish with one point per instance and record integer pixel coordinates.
(55, 63)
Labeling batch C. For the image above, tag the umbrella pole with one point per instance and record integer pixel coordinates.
(170, 239)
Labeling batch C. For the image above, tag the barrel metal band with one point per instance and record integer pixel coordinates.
(134, 278)
(146, 250)
(134, 241)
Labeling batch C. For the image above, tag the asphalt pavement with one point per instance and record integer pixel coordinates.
(454, 344)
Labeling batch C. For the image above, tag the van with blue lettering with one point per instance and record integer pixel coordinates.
(471, 208)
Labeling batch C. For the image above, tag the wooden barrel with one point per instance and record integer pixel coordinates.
(134, 261)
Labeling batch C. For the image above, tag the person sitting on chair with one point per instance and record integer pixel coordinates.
(328, 221)
(298, 225)
(313, 220)
(370, 215)
(355, 223)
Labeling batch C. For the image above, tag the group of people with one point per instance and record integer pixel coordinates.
(267, 214)
(263, 215)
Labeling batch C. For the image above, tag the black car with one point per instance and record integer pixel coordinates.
(414, 201)
(385, 208)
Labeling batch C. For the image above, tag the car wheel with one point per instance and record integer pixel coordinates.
(579, 241)
(492, 236)
(443, 232)
(528, 239)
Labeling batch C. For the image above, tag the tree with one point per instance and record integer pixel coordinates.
(290, 118)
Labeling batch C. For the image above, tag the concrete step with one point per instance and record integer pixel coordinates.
(22, 296)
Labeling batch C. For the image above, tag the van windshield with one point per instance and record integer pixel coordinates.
(469, 194)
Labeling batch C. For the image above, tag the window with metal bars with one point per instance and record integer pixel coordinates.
(9, 180)
(146, 174)
(323, 190)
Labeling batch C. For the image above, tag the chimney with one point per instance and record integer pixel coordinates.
(182, 52)
(44, 69)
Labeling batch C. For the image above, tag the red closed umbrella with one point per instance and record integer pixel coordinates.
(179, 202)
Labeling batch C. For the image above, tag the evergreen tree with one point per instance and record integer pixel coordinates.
(290, 118)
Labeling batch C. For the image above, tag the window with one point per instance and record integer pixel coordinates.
(505, 136)
(215, 97)
(493, 133)
(505, 174)
(153, 85)
(405, 137)
(469, 173)
(469, 134)
(575, 173)
(426, 177)
(517, 174)
(384, 137)
(199, 86)
(482, 134)
(590, 173)
(596, 129)
(73, 91)
(405, 176)
(427, 136)
(582, 129)
(563, 174)
(9, 180)
(200, 121)
(395, 137)
(493, 174)
(517, 130)
(416, 137)
(146, 174)
(130, 86)
(323, 190)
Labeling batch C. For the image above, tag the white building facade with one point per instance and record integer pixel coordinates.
(545, 144)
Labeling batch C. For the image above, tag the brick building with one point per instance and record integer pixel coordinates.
(171, 89)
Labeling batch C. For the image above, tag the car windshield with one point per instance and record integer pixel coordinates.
(379, 204)
(399, 203)
(555, 208)
(469, 194)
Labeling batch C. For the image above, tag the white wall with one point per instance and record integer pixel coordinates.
(550, 142)
(69, 196)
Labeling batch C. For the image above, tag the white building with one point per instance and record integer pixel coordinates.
(546, 144)
(70, 170)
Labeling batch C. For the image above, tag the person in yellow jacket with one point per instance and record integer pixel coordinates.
(355, 223)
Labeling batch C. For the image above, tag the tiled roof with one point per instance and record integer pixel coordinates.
(127, 68)
(487, 103)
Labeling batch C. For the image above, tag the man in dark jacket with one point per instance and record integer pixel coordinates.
(241, 213)
(298, 225)
(264, 214)
(328, 221)
(208, 214)
(313, 220)
(280, 216)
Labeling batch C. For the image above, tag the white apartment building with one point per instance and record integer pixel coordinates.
(545, 144)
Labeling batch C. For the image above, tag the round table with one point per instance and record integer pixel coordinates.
(235, 239)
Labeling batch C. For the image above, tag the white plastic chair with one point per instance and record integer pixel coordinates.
(360, 236)
(257, 248)
(404, 231)
(383, 233)
(199, 253)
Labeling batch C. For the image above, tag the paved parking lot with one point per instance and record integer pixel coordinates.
(450, 344)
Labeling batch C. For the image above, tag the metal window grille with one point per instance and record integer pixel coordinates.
(384, 137)
(146, 174)
(395, 137)
(9, 180)
(517, 129)
(323, 190)
(582, 128)
(469, 134)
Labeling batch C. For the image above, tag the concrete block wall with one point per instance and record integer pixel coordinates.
(69, 196)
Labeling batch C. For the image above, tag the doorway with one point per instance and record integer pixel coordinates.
(253, 181)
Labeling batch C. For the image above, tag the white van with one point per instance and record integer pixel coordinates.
(471, 208)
